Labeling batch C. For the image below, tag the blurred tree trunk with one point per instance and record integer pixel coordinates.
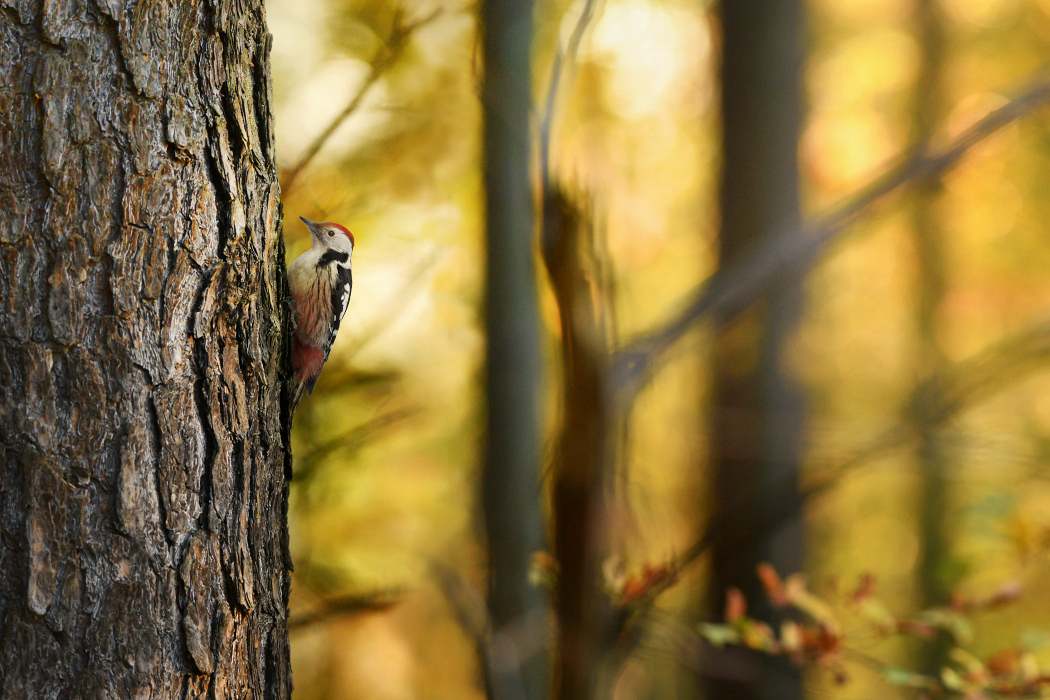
(142, 421)
(510, 479)
(758, 418)
(584, 658)
(934, 563)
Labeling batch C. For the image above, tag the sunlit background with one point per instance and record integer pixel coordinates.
(387, 448)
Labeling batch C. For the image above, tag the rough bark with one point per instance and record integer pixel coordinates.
(511, 473)
(758, 420)
(143, 425)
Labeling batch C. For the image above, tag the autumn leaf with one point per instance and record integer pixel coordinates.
(865, 588)
(1005, 662)
(774, 586)
(637, 587)
(736, 605)
(543, 570)
(816, 608)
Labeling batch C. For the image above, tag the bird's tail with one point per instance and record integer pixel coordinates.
(297, 393)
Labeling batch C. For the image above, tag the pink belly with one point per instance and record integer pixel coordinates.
(306, 360)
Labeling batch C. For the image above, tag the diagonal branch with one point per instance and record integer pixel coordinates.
(470, 611)
(501, 652)
(386, 57)
(788, 255)
(938, 399)
(409, 290)
(933, 402)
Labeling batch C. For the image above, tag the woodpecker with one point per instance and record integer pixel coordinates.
(320, 282)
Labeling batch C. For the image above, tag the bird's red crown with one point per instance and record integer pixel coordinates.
(342, 228)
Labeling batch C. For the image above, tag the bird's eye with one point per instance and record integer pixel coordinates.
(330, 234)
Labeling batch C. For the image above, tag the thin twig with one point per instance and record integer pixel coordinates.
(789, 255)
(561, 61)
(387, 56)
(399, 301)
(502, 653)
(470, 611)
(937, 399)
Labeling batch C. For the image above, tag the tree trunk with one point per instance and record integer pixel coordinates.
(511, 475)
(143, 421)
(584, 662)
(934, 567)
(758, 421)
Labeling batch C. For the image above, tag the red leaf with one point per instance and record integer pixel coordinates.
(736, 605)
(773, 585)
(638, 587)
(865, 588)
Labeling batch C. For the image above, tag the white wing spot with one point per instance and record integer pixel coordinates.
(345, 300)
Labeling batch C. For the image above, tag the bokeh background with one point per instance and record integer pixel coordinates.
(387, 450)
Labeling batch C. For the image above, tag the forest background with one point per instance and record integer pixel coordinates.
(921, 348)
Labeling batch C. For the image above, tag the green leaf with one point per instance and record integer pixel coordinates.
(909, 679)
(719, 635)
(1034, 639)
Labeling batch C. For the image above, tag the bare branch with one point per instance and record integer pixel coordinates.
(788, 255)
(504, 652)
(561, 61)
(472, 615)
(383, 60)
(398, 301)
(932, 402)
(346, 605)
(583, 452)
(938, 399)
(352, 440)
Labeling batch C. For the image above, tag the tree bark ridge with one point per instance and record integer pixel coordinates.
(143, 425)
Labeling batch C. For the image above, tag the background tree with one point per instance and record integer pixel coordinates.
(143, 424)
(757, 411)
(510, 478)
(937, 580)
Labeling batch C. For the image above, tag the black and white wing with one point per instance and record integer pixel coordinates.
(344, 282)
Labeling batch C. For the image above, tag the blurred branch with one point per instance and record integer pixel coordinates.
(788, 256)
(471, 614)
(341, 379)
(932, 402)
(467, 604)
(386, 57)
(398, 302)
(562, 59)
(346, 605)
(352, 440)
(943, 396)
(502, 653)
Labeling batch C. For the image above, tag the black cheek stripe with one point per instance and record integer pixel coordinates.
(333, 256)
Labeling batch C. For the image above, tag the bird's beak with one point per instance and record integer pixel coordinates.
(312, 225)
